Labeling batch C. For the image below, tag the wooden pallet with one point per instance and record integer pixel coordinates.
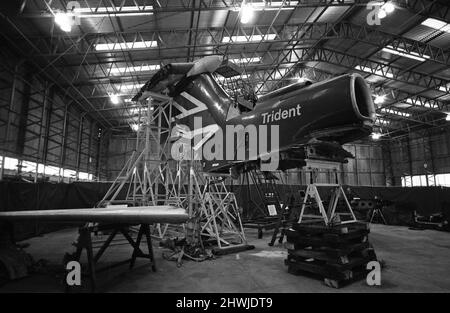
(296, 241)
(338, 254)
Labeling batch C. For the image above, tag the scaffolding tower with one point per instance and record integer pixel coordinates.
(151, 176)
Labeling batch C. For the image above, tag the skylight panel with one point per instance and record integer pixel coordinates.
(251, 38)
(402, 52)
(117, 11)
(376, 72)
(125, 45)
(133, 69)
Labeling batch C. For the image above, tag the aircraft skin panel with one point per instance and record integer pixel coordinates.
(328, 110)
(326, 105)
(130, 215)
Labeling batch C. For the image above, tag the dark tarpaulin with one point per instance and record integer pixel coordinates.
(404, 200)
(18, 196)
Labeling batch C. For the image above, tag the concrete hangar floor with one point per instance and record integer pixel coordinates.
(415, 261)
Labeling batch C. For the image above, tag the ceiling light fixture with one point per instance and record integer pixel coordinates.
(126, 45)
(254, 38)
(379, 99)
(246, 60)
(64, 21)
(115, 11)
(444, 88)
(436, 24)
(272, 5)
(375, 136)
(381, 13)
(114, 98)
(404, 53)
(388, 7)
(247, 12)
(141, 68)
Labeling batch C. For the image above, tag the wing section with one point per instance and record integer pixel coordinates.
(130, 215)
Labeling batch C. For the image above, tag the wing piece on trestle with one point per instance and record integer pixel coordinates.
(130, 215)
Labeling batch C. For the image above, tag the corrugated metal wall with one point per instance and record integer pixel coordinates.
(422, 153)
(38, 124)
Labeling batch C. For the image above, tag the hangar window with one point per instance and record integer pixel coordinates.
(29, 167)
(11, 163)
(52, 170)
(69, 173)
(421, 180)
(46, 170)
(443, 180)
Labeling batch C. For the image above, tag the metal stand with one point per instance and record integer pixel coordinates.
(377, 212)
(85, 242)
(220, 215)
(313, 202)
(150, 176)
(265, 214)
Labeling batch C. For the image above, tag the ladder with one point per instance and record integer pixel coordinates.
(267, 191)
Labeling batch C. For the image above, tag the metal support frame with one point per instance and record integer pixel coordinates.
(330, 216)
(219, 214)
(388, 168)
(84, 242)
(8, 122)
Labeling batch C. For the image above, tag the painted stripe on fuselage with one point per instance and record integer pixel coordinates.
(199, 106)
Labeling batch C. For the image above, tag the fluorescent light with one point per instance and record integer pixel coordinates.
(141, 68)
(117, 11)
(443, 88)
(114, 99)
(126, 45)
(404, 53)
(379, 99)
(135, 127)
(388, 7)
(64, 21)
(395, 112)
(376, 136)
(247, 13)
(436, 24)
(447, 118)
(273, 5)
(124, 88)
(249, 38)
(135, 111)
(382, 13)
(376, 72)
(246, 60)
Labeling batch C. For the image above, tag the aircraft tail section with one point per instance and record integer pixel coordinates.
(203, 97)
(195, 91)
